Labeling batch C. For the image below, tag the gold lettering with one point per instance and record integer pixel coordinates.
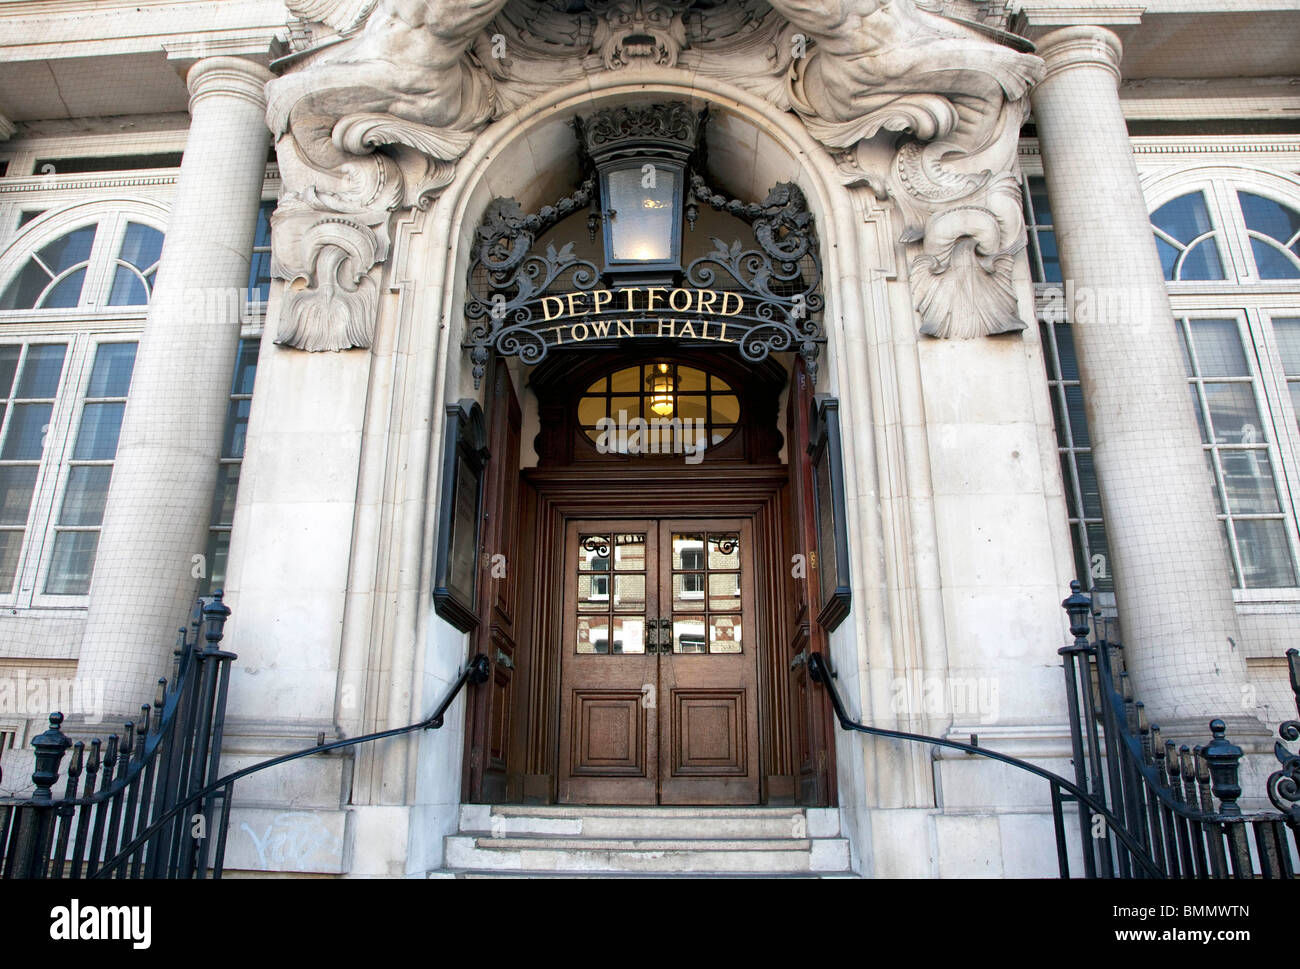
(672, 300)
(573, 298)
(650, 297)
(666, 323)
(740, 304)
(687, 330)
(625, 328)
(703, 305)
(547, 315)
(629, 291)
(723, 338)
(600, 327)
(599, 303)
(573, 332)
(558, 339)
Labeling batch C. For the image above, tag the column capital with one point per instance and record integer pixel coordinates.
(227, 77)
(1080, 46)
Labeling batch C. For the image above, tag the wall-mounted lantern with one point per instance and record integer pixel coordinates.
(640, 153)
(460, 515)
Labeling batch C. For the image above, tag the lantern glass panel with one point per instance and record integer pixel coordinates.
(644, 222)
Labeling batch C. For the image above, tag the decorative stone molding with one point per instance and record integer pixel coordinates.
(7, 128)
(419, 80)
(227, 77)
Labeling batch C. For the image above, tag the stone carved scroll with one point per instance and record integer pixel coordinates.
(370, 124)
(960, 97)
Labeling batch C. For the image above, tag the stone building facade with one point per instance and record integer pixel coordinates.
(246, 266)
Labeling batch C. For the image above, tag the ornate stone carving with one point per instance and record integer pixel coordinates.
(371, 123)
(404, 82)
(887, 65)
(639, 31)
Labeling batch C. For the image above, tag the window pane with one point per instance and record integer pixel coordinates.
(1078, 422)
(1065, 351)
(1271, 262)
(66, 251)
(1218, 349)
(16, 484)
(1269, 217)
(141, 246)
(111, 376)
(223, 499)
(83, 502)
(1051, 258)
(245, 367)
(128, 289)
(1248, 477)
(41, 371)
(259, 277)
(1088, 484)
(67, 294)
(1234, 414)
(8, 367)
(1265, 557)
(26, 288)
(1287, 331)
(236, 429)
(1039, 200)
(27, 427)
(1184, 218)
(72, 563)
(100, 426)
(218, 554)
(10, 543)
(642, 228)
(1168, 257)
(1201, 262)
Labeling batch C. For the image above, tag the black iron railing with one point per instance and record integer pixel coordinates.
(1179, 802)
(153, 806)
(1146, 808)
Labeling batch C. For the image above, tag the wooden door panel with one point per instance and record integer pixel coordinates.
(707, 733)
(708, 682)
(608, 733)
(609, 746)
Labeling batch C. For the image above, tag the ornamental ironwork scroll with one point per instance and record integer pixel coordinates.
(757, 299)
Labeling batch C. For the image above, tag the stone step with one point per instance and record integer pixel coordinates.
(506, 821)
(730, 823)
(465, 874)
(685, 856)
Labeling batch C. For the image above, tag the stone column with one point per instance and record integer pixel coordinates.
(1173, 585)
(157, 515)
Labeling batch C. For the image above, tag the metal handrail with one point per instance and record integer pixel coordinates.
(475, 672)
(822, 674)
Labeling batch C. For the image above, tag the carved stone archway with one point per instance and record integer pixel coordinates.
(371, 122)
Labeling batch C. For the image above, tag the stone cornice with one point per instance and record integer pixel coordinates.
(30, 184)
(1223, 145)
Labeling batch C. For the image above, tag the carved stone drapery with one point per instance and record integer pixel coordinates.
(369, 124)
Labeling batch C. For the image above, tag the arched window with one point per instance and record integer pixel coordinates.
(1185, 238)
(1229, 241)
(681, 406)
(110, 261)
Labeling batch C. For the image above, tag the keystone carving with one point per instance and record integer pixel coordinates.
(369, 124)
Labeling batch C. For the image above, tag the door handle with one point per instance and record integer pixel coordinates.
(658, 636)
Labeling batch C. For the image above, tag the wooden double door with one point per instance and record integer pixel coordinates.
(658, 663)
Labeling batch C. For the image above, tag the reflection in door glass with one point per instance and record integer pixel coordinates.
(611, 580)
(706, 576)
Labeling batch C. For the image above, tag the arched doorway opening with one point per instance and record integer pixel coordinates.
(647, 645)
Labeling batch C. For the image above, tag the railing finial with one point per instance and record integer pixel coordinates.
(215, 614)
(50, 747)
(1224, 758)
